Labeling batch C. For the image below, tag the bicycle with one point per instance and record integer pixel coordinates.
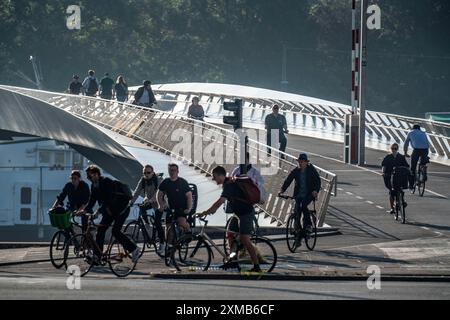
(420, 180)
(399, 183)
(295, 231)
(82, 247)
(61, 221)
(139, 231)
(267, 255)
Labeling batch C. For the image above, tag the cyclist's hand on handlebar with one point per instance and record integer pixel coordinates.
(202, 214)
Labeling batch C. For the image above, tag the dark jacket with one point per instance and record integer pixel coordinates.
(390, 162)
(140, 92)
(313, 182)
(77, 197)
(106, 196)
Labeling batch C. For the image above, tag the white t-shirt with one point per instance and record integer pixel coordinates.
(145, 99)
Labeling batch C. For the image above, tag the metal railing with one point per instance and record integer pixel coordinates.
(155, 128)
(321, 120)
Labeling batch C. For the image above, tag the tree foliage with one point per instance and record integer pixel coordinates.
(236, 41)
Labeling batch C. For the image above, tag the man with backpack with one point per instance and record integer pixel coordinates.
(241, 205)
(307, 187)
(113, 198)
(90, 84)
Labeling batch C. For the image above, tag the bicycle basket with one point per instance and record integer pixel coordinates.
(400, 178)
(60, 220)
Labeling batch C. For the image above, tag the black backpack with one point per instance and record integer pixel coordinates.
(122, 190)
(93, 86)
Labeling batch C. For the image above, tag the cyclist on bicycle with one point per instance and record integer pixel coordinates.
(114, 207)
(196, 110)
(148, 185)
(419, 142)
(78, 192)
(179, 196)
(244, 210)
(395, 159)
(307, 188)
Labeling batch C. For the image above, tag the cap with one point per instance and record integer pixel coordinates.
(303, 157)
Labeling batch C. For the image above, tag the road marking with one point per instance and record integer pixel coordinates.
(349, 193)
(370, 202)
(360, 198)
(416, 249)
(380, 207)
(425, 228)
(340, 189)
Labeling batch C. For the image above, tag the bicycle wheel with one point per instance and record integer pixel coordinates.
(291, 234)
(134, 231)
(119, 260)
(402, 208)
(225, 239)
(311, 237)
(169, 254)
(265, 251)
(58, 249)
(79, 254)
(421, 183)
(196, 257)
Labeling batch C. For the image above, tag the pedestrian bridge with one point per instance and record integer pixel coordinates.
(163, 130)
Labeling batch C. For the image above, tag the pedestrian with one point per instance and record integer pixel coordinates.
(106, 87)
(276, 122)
(91, 84)
(144, 95)
(196, 111)
(75, 87)
(121, 89)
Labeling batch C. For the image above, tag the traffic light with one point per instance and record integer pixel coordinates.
(236, 120)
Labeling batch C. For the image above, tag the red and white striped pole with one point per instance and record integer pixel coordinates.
(355, 61)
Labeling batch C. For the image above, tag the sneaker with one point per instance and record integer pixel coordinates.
(392, 211)
(405, 204)
(162, 249)
(136, 255)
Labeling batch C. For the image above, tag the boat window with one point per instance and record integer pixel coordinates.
(44, 157)
(25, 196)
(59, 159)
(25, 214)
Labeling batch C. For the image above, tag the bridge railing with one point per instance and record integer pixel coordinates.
(320, 120)
(164, 131)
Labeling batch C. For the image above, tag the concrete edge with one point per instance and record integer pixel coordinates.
(275, 277)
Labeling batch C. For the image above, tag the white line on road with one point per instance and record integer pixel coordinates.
(349, 193)
(360, 198)
(370, 202)
(380, 207)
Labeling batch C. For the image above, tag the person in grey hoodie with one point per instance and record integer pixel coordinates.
(148, 186)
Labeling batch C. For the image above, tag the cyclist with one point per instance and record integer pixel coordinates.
(179, 196)
(245, 211)
(307, 188)
(196, 110)
(419, 142)
(395, 159)
(77, 191)
(148, 185)
(114, 209)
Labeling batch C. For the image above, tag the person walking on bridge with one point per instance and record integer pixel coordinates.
(196, 111)
(144, 96)
(276, 122)
(307, 188)
(75, 86)
(419, 142)
(106, 87)
(121, 89)
(91, 84)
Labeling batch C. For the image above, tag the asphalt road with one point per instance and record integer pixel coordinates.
(131, 289)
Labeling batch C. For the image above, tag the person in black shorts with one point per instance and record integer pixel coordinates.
(244, 210)
(179, 196)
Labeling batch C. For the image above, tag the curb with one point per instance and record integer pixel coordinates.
(17, 263)
(275, 277)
